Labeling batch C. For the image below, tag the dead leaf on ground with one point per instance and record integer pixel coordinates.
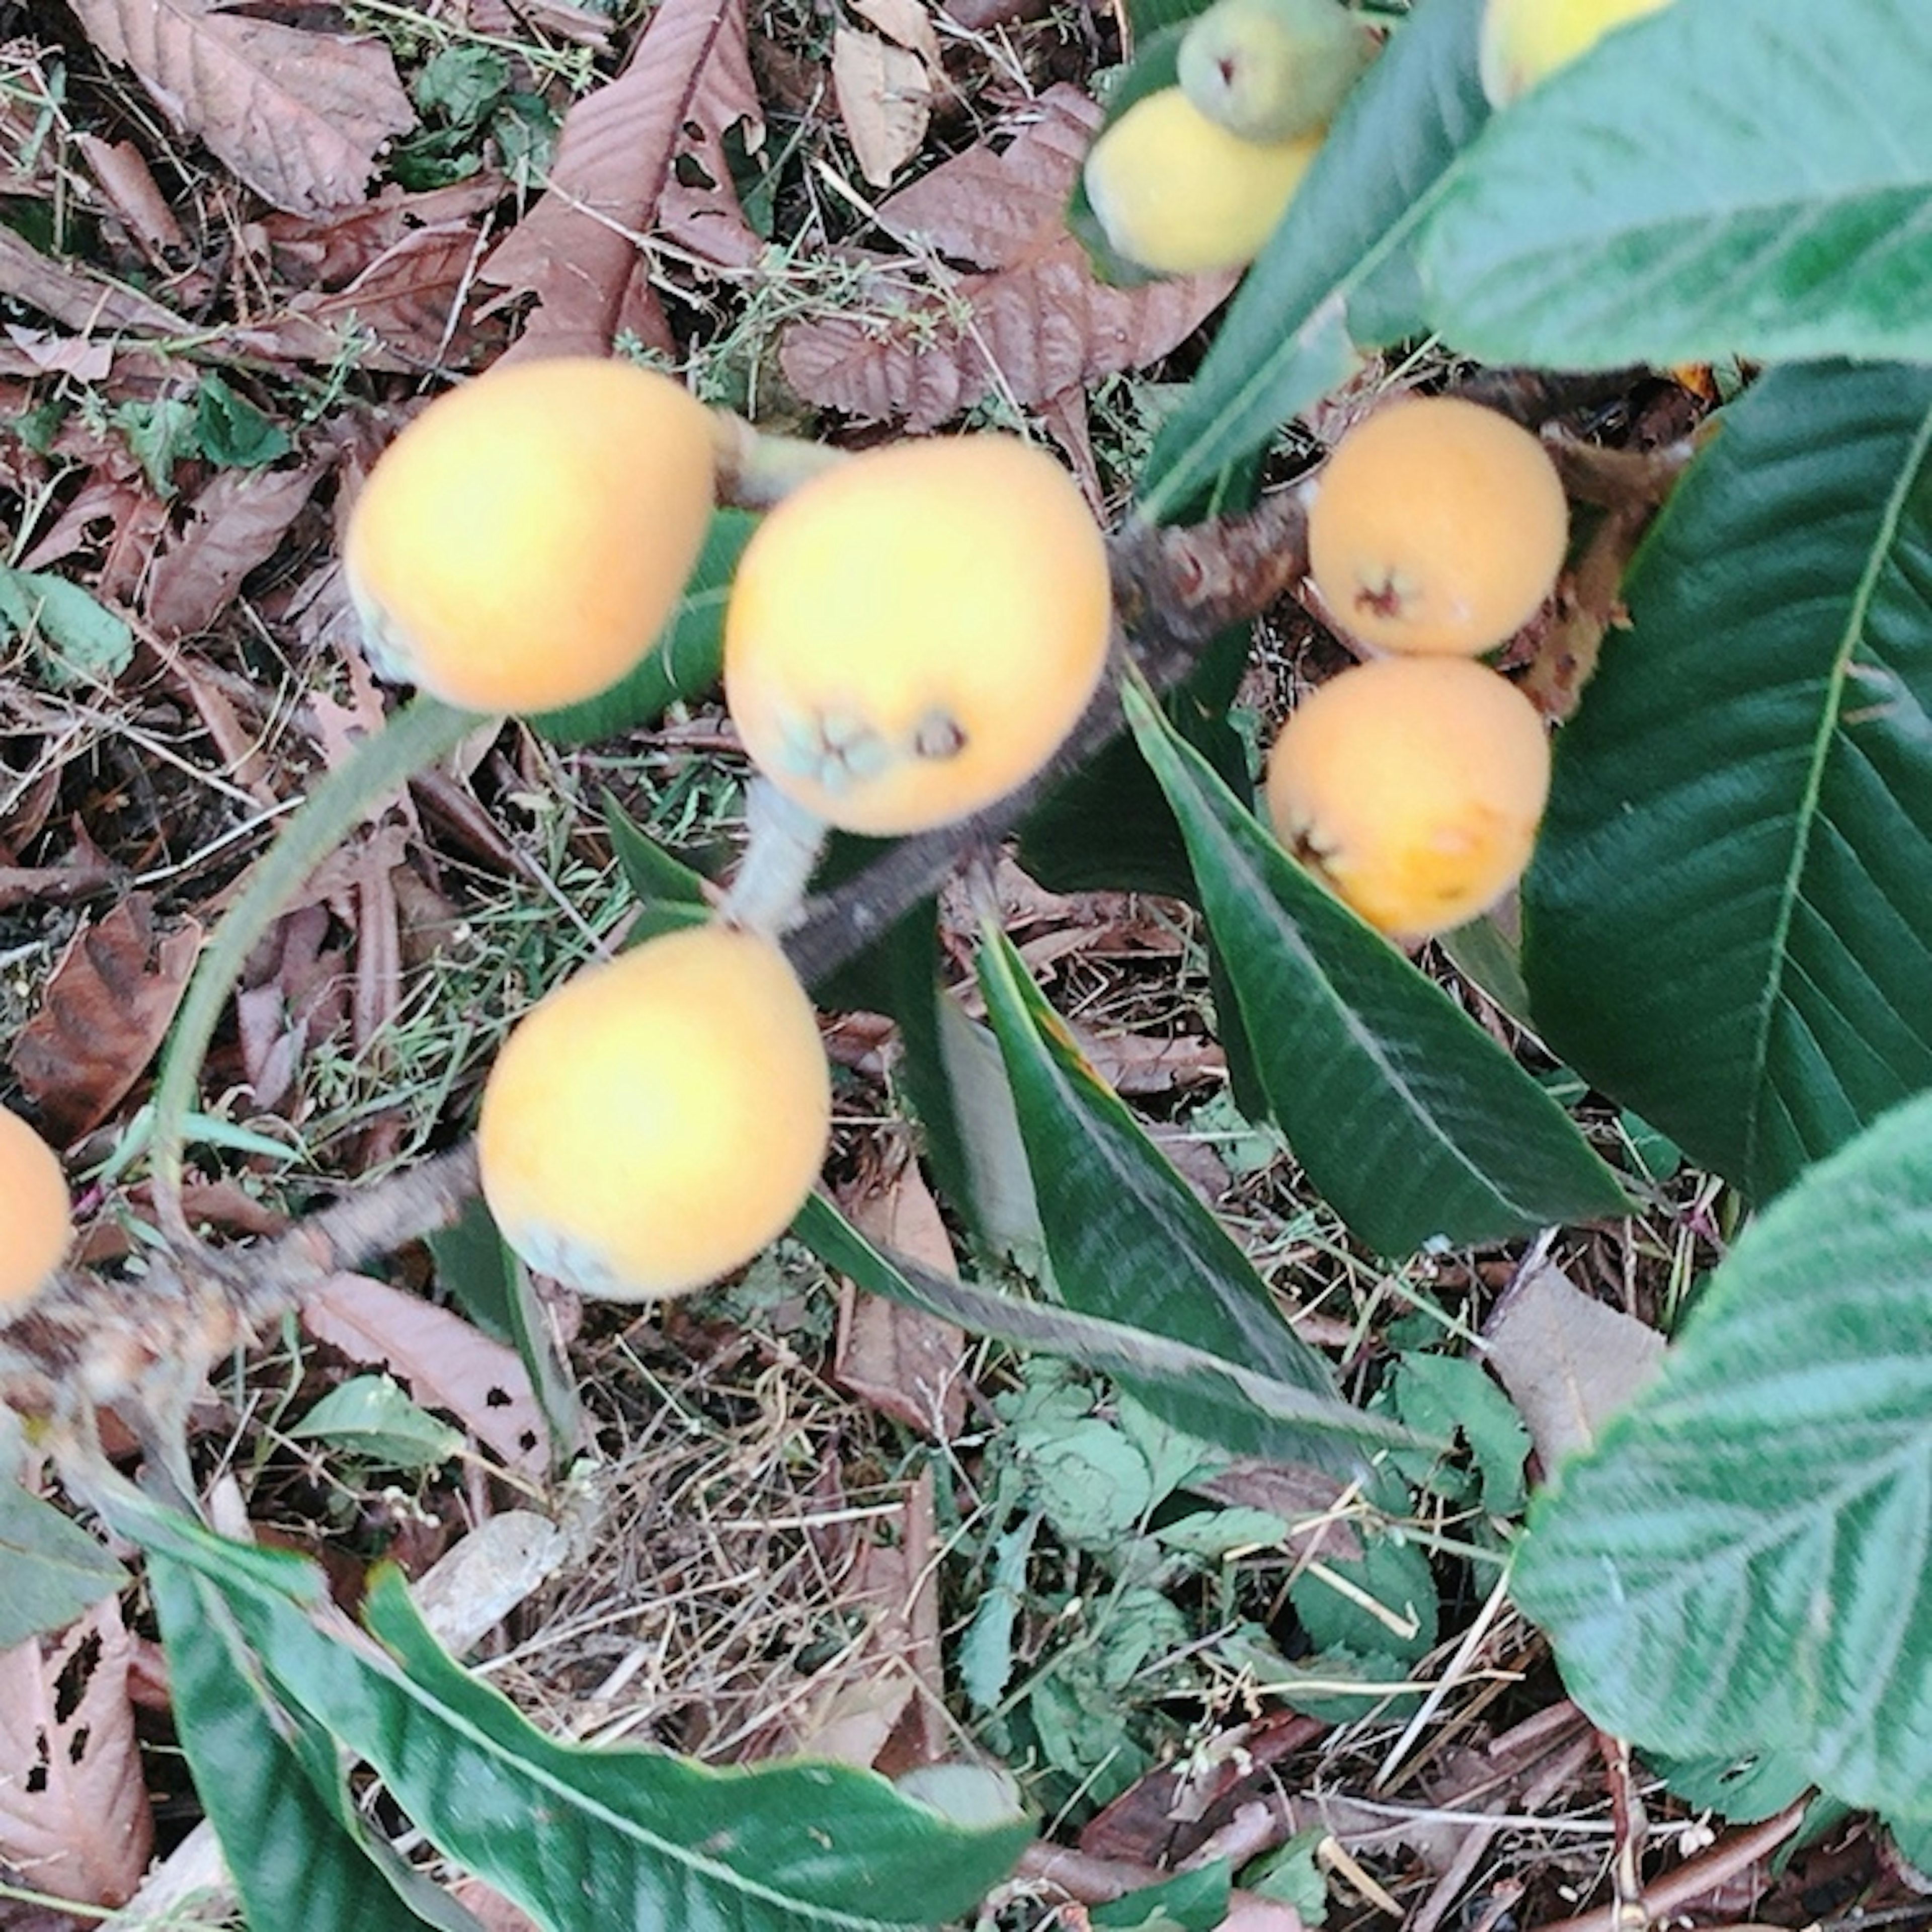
(78, 298)
(885, 99)
(904, 1362)
(1568, 1360)
(110, 1001)
(1038, 324)
(447, 1363)
(300, 116)
(129, 185)
(578, 249)
(75, 1820)
(238, 522)
(294, 993)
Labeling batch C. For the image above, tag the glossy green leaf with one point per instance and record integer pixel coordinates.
(655, 1839)
(1728, 923)
(1126, 1238)
(50, 1568)
(371, 1416)
(1410, 1120)
(1742, 1563)
(1228, 1401)
(1746, 177)
(1338, 275)
(686, 661)
(270, 1784)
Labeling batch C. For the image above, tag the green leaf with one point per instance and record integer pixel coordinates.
(1742, 1563)
(50, 1568)
(686, 661)
(475, 1265)
(1228, 1401)
(1409, 1120)
(1126, 1238)
(1724, 177)
(1191, 1901)
(270, 1785)
(76, 637)
(230, 431)
(1441, 1395)
(656, 1840)
(1338, 275)
(1743, 1790)
(670, 895)
(371, 1416)
(1728, 922)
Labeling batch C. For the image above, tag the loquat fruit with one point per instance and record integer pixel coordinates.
(657, 1119)
(522, 542)
(1522, 41)
(1272, 70)
(1413, 788)
(1437, 525)
(1180, 194)
(36, 1212)
(912, 633)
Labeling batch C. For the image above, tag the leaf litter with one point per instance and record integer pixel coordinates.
(244, 262)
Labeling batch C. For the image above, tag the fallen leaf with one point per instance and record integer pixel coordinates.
(1037, 325)
(907, 24)
(1568, 1360)
(294, 993)
(885, 99)
(447, 1363)
(110, 1001)
(122, 171)
(238, 522)
(75, 1820)
(300, 117)
(78, 298)
(579, 250)
(906, 1363)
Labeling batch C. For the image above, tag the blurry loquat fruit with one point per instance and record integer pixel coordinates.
(1413, 788)
(36, 1212)
(912, 633)
(659, 1118)
(522, 542)
(1437, 525)
(1180, 194)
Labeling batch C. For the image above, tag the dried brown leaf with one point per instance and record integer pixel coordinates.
(1568, 1360)
(238, 521)
(907, 23)
(579, 250)
(110, 1001)
(447, 1363)
(299, 116)
(122, 171)
(1038, 324)
(77, 299)
(885, 99)
(905, 1363)
(74, 1817)
(295, 991)
(39, 351)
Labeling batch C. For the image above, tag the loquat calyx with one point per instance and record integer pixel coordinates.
(1413, 788)
(912, 633)
(1272, 70)
(1523, 40)
(36, 1212)
(659, 1118)
(523, 541)
(1437, 525)
(1180, 194)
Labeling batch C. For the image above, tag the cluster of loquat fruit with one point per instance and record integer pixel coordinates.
(657, 1119)
(1196, 176)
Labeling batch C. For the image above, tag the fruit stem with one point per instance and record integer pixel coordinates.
(767, 892)
(754, 470)
(422, 731)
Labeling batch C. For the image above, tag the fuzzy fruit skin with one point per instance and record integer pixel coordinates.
(659, 1118)
(1523, 40)
(1272, 70)
(1437, 525)
(36, 1212)
(1412, 787)
(523, 541)
(1179, 194)
(913, 632)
